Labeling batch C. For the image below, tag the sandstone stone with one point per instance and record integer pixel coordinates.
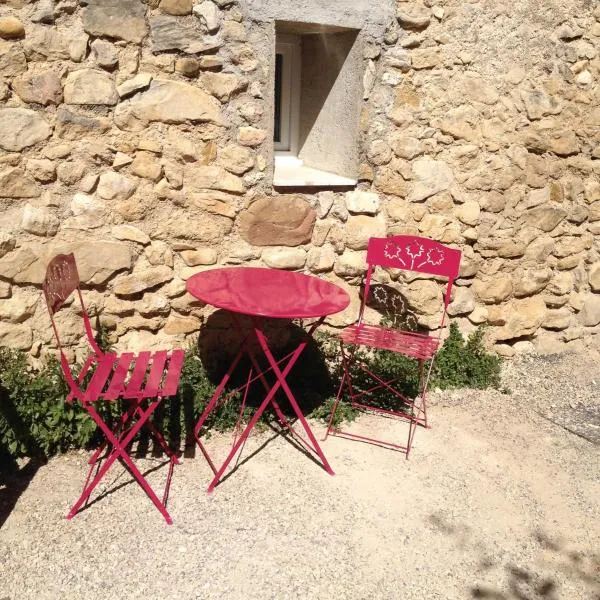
(39, 221)
(15, 183)
(237, 159)
(186, 303)
(511, 249)
(72, 126)
(406, 147)
(389, 181)
(476, 88)
(462, 303)
(131, 234)
(379, 153)
(424, 297)
(13, 264)
(284, 220)
(145, 165)
(171, 33)
(21, 128)
(468, 213)
(557, 319)
(320, 260)
(18, 337)
(195, 226)
(121, 160)
(11, 28)
(530, 281)
(18, 308)
(159, 253)
(590, 313)
(561, 284)
(431, 177)
(152, 305)
(223, 85)
(140, 82)
(214, 178)
(569, 245)
(88, 213)
(121, 19)
(5, 289)
(7, 243)
(563, 143)
(216, 203)
(284, 258)
(350, 264)
(137, 282)
(209, 15)
(70, 172)
(539, 104)
(251, 136)
(360, 228)
(190, 67)
(42, 88)
(113, 186)
(427, 58)
(92, 87)
(493, 290)
(234, 31)
(594, 277)
(78, 46)
(12, 59)
(202, 256)
(168, 102)
(176, 7)
(105, 53)
(414, 16)
(44, 12)
(545, 217)
(522, 317)
(362, 202)
(43, 169)
(46, 42)
(180, 325)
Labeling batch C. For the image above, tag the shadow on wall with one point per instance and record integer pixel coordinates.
(529, 583)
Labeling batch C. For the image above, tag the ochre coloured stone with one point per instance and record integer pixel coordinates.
(285, 220)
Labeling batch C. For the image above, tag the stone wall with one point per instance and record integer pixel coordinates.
(139, 136)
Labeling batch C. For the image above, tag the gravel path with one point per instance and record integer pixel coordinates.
(499, 500)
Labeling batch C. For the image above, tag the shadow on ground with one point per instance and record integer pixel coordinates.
(528, 583)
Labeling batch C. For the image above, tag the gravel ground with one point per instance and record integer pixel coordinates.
(499, 500)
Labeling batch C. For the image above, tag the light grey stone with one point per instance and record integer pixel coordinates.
(91, 87)
(171, 33)
(121, 19)
(21, 128)
(209, 15)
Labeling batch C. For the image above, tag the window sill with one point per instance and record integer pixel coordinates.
(291, 172)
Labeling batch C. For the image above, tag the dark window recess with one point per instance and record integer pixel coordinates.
(278, 83)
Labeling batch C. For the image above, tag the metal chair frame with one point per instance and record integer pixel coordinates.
(408, 253)
(134, 379)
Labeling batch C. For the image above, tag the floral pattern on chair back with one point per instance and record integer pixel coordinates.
(61, 280)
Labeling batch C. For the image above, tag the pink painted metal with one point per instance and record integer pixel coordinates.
(408, 253)
(268, 292)
(264, 293)
(135, 379)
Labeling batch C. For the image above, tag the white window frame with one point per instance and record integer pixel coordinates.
(289, 46)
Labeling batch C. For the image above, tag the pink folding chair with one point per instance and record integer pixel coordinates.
(408, 253)
(108, 376)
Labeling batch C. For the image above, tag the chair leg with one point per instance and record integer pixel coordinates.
(335, 406)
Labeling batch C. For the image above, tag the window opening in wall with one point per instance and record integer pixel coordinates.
(317, 98)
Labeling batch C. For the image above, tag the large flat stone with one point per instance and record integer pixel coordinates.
(15, 183)
(130, 285)
(431, 177)
(97, 261)
(173, 33)
(167, 102)
(72, 126)
(121, 19)
(213, 178)
(12, 59)
(21, 128)
(285, 220)
(42, 88)
(89, 86)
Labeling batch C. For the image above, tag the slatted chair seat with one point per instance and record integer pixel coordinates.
(415, 345)
(127, 375)
(140, 380)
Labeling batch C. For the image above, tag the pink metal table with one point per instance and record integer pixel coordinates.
(259, 294)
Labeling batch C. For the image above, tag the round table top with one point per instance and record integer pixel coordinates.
(268, 292)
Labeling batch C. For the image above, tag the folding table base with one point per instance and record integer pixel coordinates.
(281, 375)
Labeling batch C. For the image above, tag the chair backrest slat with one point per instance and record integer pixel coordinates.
(62, 279)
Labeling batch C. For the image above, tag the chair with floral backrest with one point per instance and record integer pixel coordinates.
(141, 381)
(406, 253)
